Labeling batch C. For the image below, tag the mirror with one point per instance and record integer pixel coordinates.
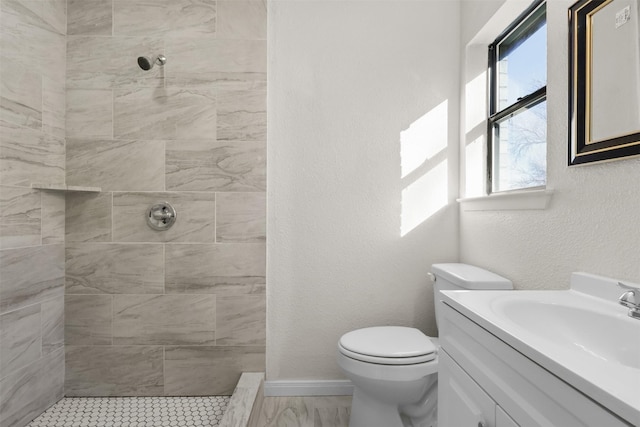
(604, 114)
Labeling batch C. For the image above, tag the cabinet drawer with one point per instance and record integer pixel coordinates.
(504, 420)
(461, 402)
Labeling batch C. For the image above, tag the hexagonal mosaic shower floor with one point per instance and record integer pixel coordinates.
(206, 411)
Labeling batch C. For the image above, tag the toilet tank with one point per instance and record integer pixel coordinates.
(456, 276)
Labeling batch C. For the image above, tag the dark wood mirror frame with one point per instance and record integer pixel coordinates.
(582, 149)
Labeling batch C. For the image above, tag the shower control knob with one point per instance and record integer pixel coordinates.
(161, 216)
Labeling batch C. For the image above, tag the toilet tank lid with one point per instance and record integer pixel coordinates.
(470, 277)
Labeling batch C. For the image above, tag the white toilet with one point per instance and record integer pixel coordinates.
(394, 369)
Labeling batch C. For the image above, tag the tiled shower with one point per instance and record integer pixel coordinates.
(93, 302)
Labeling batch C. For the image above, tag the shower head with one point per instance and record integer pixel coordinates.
(146, 64)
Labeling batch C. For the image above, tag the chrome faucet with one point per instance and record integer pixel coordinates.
(630, 299)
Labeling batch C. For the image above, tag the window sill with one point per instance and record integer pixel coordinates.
(511, 201)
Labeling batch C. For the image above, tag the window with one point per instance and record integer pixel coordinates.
(517, 123)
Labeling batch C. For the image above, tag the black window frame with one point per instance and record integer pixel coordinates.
(495, 117)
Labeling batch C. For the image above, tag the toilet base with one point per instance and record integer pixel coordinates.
(370, 412)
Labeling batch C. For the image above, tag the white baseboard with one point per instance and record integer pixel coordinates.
(308, 388)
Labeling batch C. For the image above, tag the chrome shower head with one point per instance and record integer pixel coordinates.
(146, 64)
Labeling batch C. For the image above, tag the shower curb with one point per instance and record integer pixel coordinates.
(245, 403)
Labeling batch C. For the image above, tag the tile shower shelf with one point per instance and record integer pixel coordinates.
(69, 188)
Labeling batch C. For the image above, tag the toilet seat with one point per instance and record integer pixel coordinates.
(388, 345)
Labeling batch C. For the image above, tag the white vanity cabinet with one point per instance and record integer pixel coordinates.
(504, 420)
(485, 382)
(463, 402)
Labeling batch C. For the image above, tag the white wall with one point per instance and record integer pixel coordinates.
(592, 222)
(347, 81)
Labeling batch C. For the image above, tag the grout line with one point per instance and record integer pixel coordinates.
(41, 217)
(164, 268)
(113, 315)
(112, 217)
(215, 217)
(164, 370)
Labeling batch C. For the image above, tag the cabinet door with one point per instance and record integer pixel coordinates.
(504, 420)
(461, 402)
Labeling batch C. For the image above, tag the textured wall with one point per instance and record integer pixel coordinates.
(590, 224)
(32, 52)
(180, 312)
(351, 87)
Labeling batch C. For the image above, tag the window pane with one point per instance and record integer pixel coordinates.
(520, 149)
(522, 61)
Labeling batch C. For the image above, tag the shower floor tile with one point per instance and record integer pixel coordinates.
(206, 411)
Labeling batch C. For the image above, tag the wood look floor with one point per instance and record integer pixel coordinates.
(317, 411)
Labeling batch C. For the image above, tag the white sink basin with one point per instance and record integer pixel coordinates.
(608, 336)
(581, 335)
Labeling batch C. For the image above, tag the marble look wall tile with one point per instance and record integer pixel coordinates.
(20, 95)
(52, 61)
(20, 217)
(45, 15)
(195, 223)
(241, 217)
(100, 268)
(88, 217)
(203, 61)
(161, 114)
(52, 378)
(54, 105)
(89, 113)
(27, 392)
(89, 17)
(87, 70)
(54, 13)
(53, 217)
(191, 18)
(208, 370)
(240, 320)
(242, 116)
(164, 319)
(238, 81)
(87, 319)
(242, 20)
(221, 80)
(203, 165)
(28, 156)
(20, 339)
(30, 275)
(116, 165)
(114, 371)
(33, 35)
(49, 15)
(223, 269)
(52, 325)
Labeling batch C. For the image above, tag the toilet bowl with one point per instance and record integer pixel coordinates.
(394, 369)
